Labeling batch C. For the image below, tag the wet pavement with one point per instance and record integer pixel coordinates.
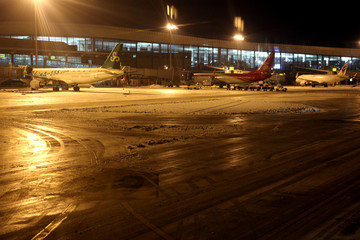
(175, 164)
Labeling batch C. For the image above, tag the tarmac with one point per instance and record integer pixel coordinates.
(163, 163)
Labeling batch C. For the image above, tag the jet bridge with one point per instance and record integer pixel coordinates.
(11, 72)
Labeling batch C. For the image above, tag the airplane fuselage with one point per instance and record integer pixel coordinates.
(240, 79)
(73, 76)
(320, 79)
(243, 78)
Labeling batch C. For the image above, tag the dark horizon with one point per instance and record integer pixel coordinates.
(264, 22)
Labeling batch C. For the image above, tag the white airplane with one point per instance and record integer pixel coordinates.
(323, 79)
(72, 77)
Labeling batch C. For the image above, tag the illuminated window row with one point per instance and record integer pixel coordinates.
(200, 55)
(24, 59)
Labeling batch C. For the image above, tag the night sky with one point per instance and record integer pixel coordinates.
(321, 23)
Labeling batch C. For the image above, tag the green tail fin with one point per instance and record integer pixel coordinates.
(113, 60)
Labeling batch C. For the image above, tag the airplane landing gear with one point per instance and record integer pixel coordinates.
(76, 89)
(65, 87)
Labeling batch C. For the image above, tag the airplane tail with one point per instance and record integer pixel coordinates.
(213, 74)
(113, 60)
(344, 69)
(267, 64)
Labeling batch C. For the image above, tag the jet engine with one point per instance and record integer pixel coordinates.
(302, 83)
(208, 82)
(35, 84)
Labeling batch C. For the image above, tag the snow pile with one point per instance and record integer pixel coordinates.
(209, 106)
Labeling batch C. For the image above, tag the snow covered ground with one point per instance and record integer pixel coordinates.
(177, 100)
(77, 161)
(166, 100)
(152, 116)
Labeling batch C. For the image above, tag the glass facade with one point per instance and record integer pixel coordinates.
(62, 64)
(249, 58)
(104, 46)
(232, 57)
(156, 47)
(334, 60)
(128, 47)
(177, 48)
(198, 56)
(41, 60)
(223, 56)
(205, 56)
(216, 56)
(311, 61)
(260, 57)
(144, 47)
(5, 58)
(22, 59)
(74, 59)
(194, 51)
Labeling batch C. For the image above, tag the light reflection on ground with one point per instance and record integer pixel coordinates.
(35, 144)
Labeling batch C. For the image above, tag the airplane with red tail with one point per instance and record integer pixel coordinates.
(239, 79)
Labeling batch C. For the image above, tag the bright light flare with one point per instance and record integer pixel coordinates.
(239, 37)
(169, 91)
(171, 26)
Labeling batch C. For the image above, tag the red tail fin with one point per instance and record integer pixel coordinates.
(267, 64)
(213, 75)
(343, 69)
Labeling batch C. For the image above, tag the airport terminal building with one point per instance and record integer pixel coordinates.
(83, 45)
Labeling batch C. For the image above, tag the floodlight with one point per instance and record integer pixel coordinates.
(239, 37)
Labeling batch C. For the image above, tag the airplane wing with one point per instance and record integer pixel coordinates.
(203, 74)
(44, 81)
(207, 78)
(217, 68)
(225, 70)
(318, 70)
(315, 70)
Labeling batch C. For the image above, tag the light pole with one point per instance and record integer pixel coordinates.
(172, 15)
(238, 37)
(171, 27)
(239, 27)
(35, 32)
